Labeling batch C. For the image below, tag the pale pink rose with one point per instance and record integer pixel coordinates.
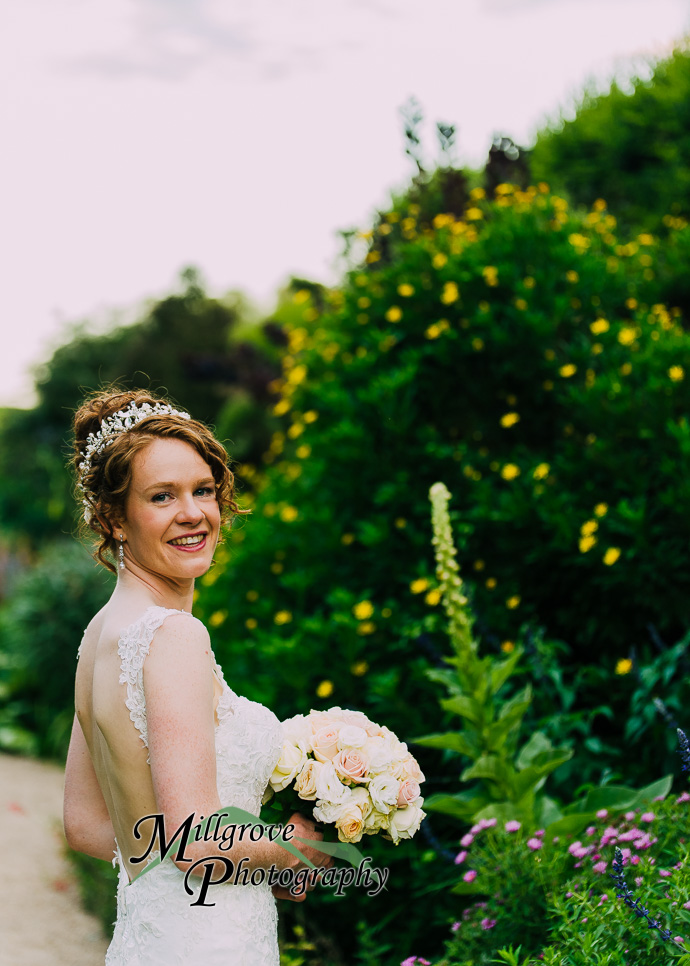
(350, 822)
(325, 743)
(411, 769)
(409, 792)
(350, 764)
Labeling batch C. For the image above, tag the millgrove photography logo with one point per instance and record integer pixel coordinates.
(232, 824)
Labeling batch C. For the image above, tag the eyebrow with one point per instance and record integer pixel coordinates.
(158, 486)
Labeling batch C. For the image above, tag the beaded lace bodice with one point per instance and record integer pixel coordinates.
(155, 922)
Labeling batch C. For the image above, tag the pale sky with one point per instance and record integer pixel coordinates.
(140, 136)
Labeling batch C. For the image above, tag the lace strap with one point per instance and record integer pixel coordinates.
(83, 638)
(132, 648)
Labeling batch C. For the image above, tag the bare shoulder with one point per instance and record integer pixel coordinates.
(181, 642)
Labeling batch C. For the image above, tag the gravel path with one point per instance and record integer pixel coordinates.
(41, 920)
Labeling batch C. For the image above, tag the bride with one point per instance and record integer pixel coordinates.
(157, 730)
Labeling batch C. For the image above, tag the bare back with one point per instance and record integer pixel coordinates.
(119, 756)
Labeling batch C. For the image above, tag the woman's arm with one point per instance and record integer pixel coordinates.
(85, 815)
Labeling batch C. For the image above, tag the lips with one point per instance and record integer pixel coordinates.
(197, 543)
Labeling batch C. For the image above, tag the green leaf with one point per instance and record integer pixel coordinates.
(460, 806)
(465, 707)
(521, 700)
(537, 743)
(501, 811)
(490, 767)
(543, 764)
(452, 740)
(569, 824)
(610, 796)
(501, 672)
(466, 889)
(658, 788)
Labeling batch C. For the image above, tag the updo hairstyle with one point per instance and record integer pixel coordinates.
(107, 481)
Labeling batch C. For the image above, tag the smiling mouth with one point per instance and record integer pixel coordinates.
(196, 540)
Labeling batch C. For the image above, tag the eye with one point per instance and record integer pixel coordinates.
(154, 499)
(207, 489)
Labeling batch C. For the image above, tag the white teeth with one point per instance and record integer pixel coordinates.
(186, 541)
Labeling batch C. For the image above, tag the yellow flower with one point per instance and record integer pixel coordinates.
(479, 565)
(386, 612)
(541, 471)
(363, 609)
(631, 303)
(586, 543)
(366, 627)
(347, 538)
(303, 451)
(600, 509)
(476, 194)
(529, 282)
(433, 597)
(217, 618)
(439, 260)
(277, 568)
(394, 314)
(325, 689)
(295, 430)
(433, 331)
(474, 214)
(419, 585)
(310, 416)
(360, 668)
(601, 325)
(301, 296)
(405, 290)
(507, 647)
(611, 555)
(627, 335)
(510, 471)
(490, 274)
(363, 302)
(579, 241)
(288, 514)
(400, 523)
(509, 419)
(252, 595)
(450, 293)
(624, 666)
(645, 239)
(504, 189)
(441, 220)
(676, 373)
(589, 527)
(281, 407)
(251, 623)
(297, 375)
(567, 370)
(513, 602)
(520, 305)
(477, 344)
(282, 617)
(572, 276)
(490, 582)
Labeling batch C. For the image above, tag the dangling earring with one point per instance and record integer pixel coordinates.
(122, 554)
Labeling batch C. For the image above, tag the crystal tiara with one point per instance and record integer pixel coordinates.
(110, 429)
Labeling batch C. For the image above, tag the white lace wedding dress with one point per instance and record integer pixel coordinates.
(156, 925)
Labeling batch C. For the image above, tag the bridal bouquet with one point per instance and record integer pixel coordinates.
(362, 779)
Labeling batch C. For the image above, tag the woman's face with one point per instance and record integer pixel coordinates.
(172, 495)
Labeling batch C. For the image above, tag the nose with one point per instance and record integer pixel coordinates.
(189, 511)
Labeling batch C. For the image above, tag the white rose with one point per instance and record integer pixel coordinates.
(328, 812)
(361, 797)
(384, 756)
(292, 759)
(358, 719)
(384, 790)
(305, 784)
(351, 737)
(298, 729)
(375, 821)
(329, 788)
(404, 822)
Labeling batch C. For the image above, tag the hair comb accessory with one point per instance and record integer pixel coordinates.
(111, 428)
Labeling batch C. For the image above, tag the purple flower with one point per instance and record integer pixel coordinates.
(591, 830)
(540, 833)
(512, 826)
(665, 873)
(603, 898)
(683, 797)
(600, 867)
(455, 926)
(470, 876)
(467, 840)
(629, 816)
(487, 923)
(647, 817)
(602, 813)
(686, 905)
(534, 844)
(568, 895)
(460, 857)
